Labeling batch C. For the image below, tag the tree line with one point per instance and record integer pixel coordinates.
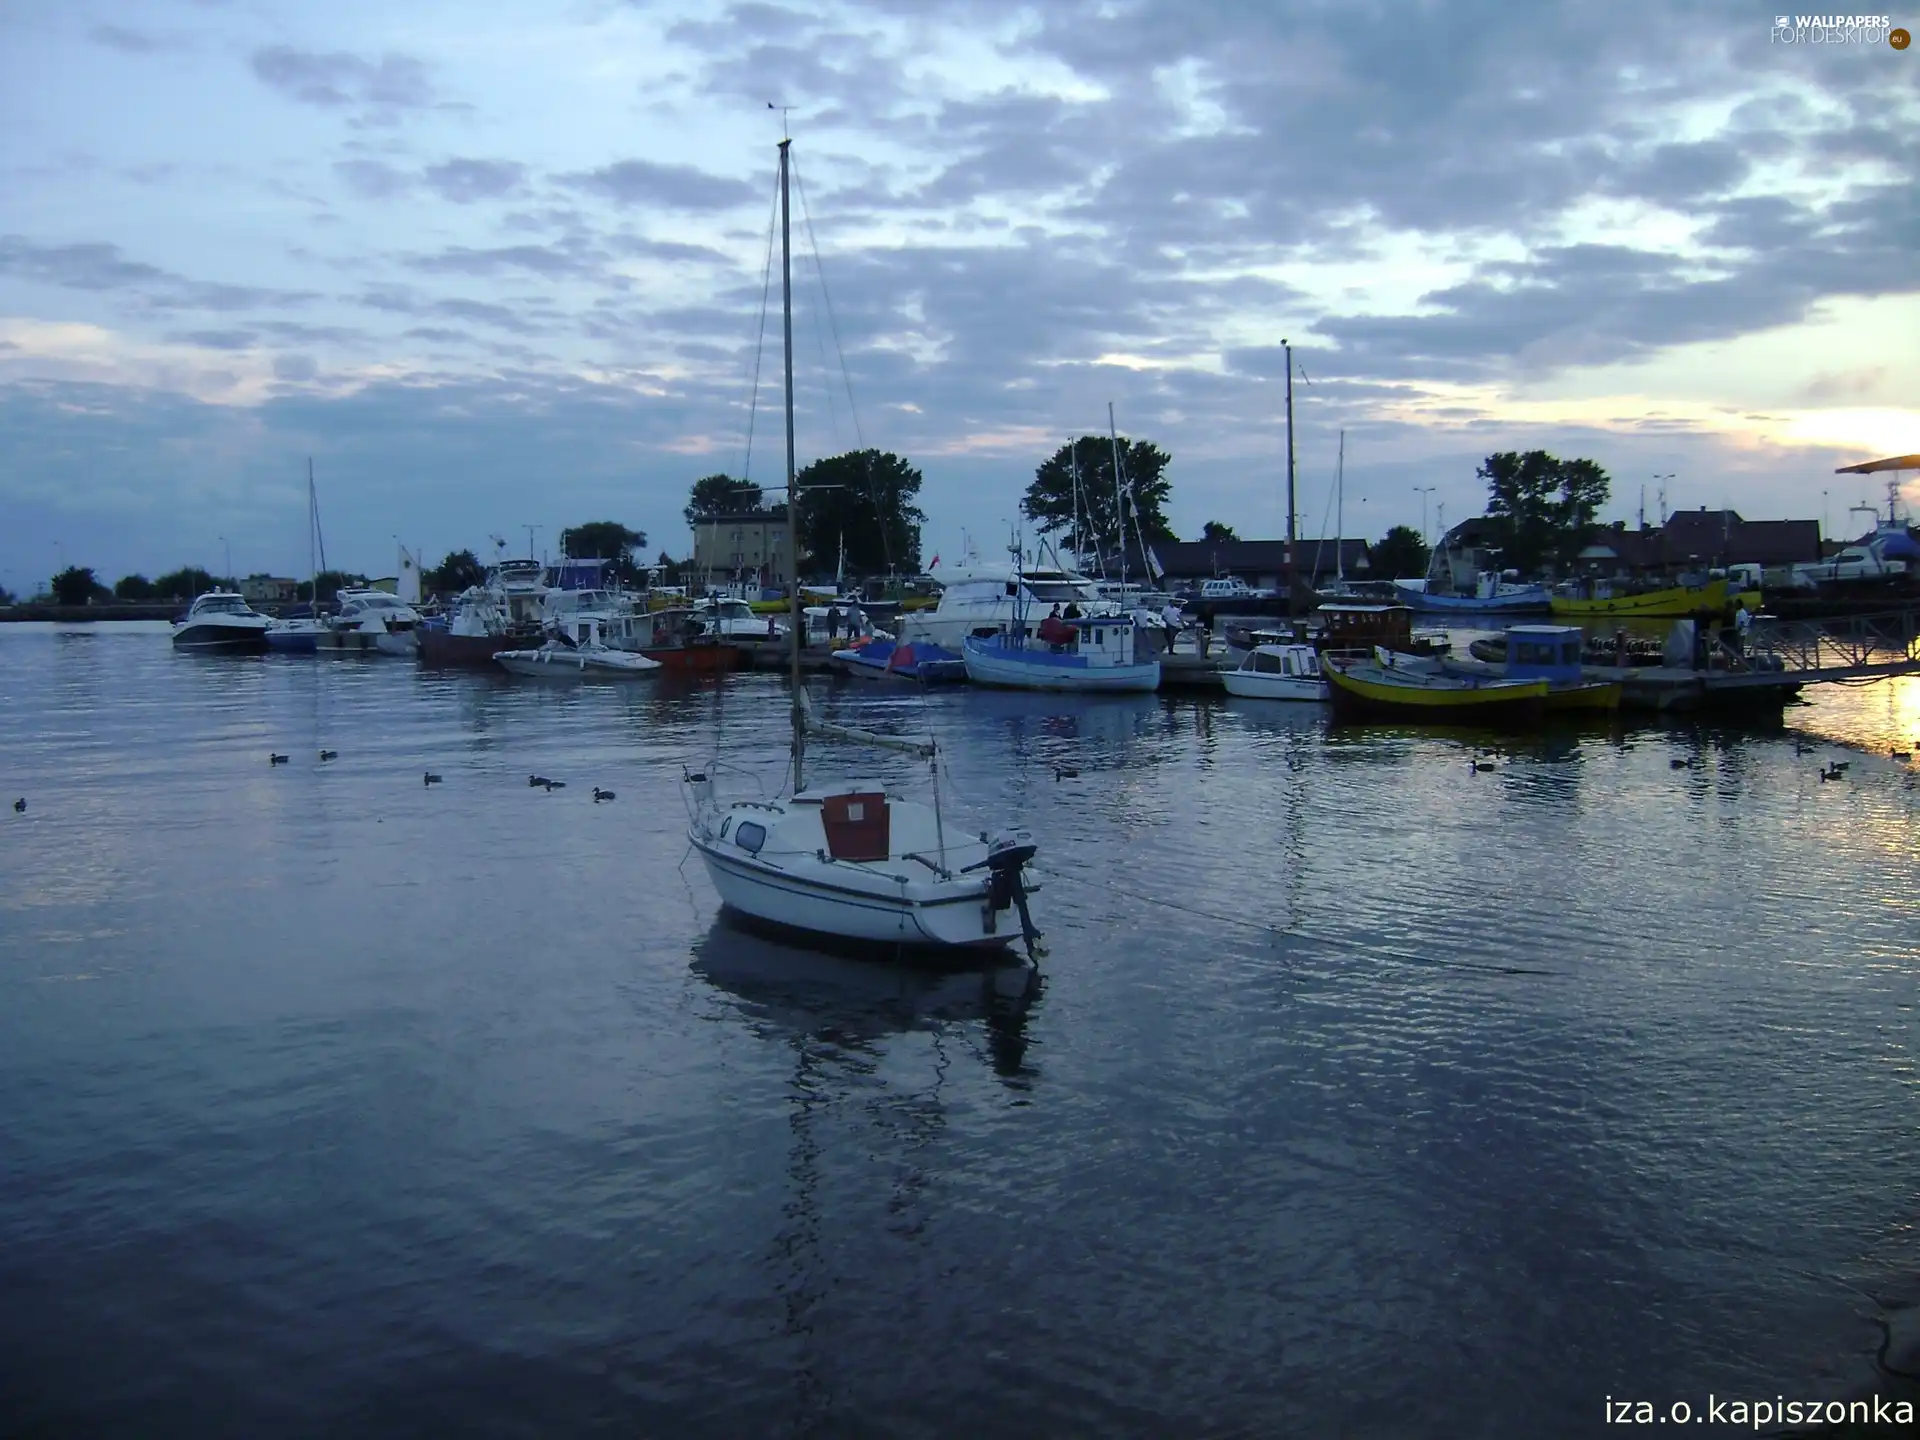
(863, 505)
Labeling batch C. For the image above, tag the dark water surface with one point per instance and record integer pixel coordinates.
(1363, 1094)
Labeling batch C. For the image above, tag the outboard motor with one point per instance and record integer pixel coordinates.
(1007, 855)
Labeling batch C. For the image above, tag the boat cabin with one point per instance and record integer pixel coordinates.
(1545, 652)
(1293, 661)
(220, 602)
(1099, 640)
(1363, 627)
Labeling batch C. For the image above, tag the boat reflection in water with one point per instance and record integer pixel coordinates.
(845, 996)
(873, 1049)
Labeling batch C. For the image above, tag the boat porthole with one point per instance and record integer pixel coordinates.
(726, 825)
(750, 837)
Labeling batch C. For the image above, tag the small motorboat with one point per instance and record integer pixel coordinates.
(222, 620)
(295, 637)
(1278, 672)
(923, 661)
(581, 655)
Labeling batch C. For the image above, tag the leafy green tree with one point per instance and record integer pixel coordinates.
(183, 584)
(460, 570)
(6, 596)
(1401, 555)
(1214, 530)
(866, 498)
(605, 540)
(721, 495)
(133, 587)
(75, 585)
(1543, 507)
(1050, 500)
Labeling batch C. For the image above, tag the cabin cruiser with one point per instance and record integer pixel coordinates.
(370, 622)
(576, 651)
(1280, 671)
(984, 599)
(221, 620)
(733, 619)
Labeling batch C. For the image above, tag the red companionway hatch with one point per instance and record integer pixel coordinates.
(857, 825)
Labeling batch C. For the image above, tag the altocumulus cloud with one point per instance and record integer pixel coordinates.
(1026, 212)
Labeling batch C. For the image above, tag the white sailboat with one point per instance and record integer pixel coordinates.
(301, 636)
(851, 860)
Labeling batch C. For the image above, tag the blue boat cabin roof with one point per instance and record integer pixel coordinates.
(1549, 652)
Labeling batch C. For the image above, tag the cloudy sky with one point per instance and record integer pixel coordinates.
(494, 265)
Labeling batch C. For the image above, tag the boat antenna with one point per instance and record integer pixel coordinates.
(793, 499)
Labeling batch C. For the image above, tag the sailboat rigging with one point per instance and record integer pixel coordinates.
(850, 860)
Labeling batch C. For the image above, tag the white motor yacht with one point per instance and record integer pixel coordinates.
(221, 620)
(370, 622)
(983, 599)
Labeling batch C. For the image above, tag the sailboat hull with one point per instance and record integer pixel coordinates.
(849, 910)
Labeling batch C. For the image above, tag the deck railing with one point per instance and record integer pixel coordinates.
(1878, 643)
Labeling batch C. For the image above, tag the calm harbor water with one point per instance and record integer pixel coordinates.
(1364, 1094)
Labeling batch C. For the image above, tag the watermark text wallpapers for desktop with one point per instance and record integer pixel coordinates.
(1837, 30)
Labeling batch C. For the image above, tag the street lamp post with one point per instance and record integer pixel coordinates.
(1424, 492)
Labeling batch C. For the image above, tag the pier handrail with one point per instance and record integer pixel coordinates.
(1878, 640)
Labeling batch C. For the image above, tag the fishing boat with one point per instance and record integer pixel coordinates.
(901, 660)
(1556, 654)
(1278, 672)
(852, 860)
(1371, 690)
(221, 620)
(1600, 601)
(504, 613)
(680, 640)
(1089, 654)
(1497, 598)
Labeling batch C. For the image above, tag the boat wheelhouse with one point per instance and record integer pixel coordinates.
(1092, 653)
(984, 600)
(1278, 672)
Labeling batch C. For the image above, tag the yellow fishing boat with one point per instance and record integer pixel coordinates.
(1674, 602)
(1363, 689)
(1592, 695)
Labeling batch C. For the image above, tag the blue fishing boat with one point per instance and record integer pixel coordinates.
(1493, 600)
(1092, 653)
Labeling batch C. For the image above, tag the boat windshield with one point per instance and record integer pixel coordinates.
(1049, 592)
(221, 605)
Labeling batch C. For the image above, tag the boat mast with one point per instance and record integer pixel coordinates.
(793, 503)
(1119, 500)
(313, 565)
(1340, 510)
(1293, 604)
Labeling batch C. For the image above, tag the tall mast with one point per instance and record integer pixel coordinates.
(313, 566)
(793, 501)
(1293, 603)
(1340, 509)
(1119, 499)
